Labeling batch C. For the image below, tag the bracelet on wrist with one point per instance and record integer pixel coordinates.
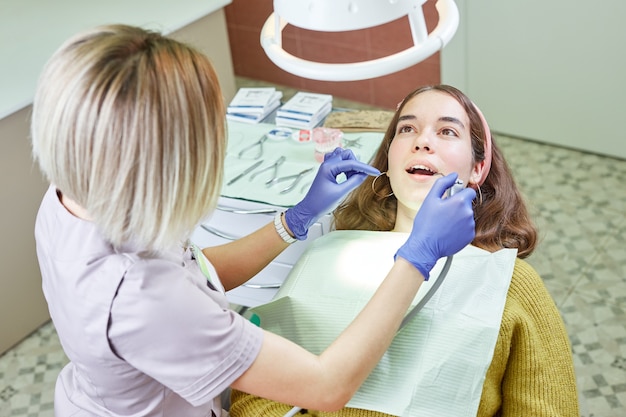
(280, 229)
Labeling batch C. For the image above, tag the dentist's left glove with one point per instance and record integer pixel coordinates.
(325, 192)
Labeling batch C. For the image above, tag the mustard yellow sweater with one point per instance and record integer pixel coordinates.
(531, 373)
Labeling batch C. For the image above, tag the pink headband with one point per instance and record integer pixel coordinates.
(487, 166)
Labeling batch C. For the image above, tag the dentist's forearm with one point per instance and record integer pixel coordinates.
(238, 261)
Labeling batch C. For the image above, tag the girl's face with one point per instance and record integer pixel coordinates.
(432, 138)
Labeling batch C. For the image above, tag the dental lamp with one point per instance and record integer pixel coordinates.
(345, 15)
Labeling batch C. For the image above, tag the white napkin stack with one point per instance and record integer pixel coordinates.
(252, 105)
(304, 110)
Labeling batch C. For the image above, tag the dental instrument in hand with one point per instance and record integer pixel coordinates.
(258, 144)
(295, 177)
(245, 171)
(456, 187)
(274, 166)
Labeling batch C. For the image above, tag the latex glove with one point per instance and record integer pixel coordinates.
(442, 226)
(325, 192)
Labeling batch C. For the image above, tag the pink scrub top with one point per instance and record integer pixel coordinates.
(145, 335)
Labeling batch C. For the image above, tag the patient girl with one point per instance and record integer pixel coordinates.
(435, 131)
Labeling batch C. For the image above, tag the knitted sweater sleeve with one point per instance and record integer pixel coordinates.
(532, 371)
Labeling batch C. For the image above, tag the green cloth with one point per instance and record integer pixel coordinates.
(299, 156)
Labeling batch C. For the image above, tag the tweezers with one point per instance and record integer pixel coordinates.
(295, 177)
(352, 143)
(259, 144)
(245, 171)
(275, 166)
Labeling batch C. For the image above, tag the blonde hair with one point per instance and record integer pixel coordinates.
(130, 125)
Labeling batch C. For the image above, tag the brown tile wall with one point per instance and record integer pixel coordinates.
(245, 19)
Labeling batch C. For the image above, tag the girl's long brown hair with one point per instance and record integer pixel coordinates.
(502, 219)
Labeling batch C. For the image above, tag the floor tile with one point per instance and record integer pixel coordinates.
(570, 241)
(28, 374)
(597, 332)
(581, 178)
(569, 205)
(605, 279)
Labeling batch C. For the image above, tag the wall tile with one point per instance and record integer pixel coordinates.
(321, 52)
(390, 89)
(359, 39)
(359, 91)
(391, 37)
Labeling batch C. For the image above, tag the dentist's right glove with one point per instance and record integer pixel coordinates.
(325, 192)
(442, 226)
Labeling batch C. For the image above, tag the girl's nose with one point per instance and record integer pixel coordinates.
(422, 142)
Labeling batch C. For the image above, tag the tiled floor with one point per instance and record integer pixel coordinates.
(579, 203)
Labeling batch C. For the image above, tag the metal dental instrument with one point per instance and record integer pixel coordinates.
(245, 171)
(275, 166)
(295, 177)
(305, 186)
(258, 144)
(262, 286)
(353, 143)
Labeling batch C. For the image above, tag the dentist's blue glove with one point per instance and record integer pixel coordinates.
(325, 193)
(442, 226)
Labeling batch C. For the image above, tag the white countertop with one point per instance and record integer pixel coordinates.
(31, 30)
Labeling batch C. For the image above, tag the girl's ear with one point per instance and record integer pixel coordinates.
(477, 172)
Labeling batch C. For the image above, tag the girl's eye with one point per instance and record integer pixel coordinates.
(448, 132)
(405, 129)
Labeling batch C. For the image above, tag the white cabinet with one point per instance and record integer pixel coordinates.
(22, 305)
(235, 218)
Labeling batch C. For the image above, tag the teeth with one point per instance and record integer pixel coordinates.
(422, 167)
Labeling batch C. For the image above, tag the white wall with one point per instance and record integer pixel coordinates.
(552, 71)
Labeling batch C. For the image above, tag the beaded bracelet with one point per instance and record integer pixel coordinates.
(280, 228)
